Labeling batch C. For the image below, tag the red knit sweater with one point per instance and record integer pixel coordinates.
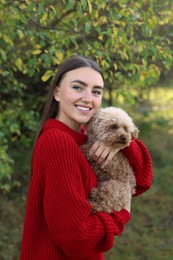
(58, 221)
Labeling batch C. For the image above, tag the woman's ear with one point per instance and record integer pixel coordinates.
(56, 94)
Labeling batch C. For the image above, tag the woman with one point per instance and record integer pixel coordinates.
(58, 221)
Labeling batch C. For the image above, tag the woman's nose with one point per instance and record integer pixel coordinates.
(87, 96)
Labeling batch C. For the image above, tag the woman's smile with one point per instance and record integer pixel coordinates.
(83, 108)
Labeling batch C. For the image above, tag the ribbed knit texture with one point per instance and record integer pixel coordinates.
(58, 221)
(140, 160)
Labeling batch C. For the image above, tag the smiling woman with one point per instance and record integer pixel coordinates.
(59, 222)
(79, 95)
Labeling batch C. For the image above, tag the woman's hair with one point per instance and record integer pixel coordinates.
(72, 63)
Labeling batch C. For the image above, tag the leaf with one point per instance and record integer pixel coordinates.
(89, 6)
(20, 34)
(115, 66)
(36, 52)
(19, 64)
(59, 54)
(87, 28)
(41, 8)
(118, 16)
(70, 5)
(27, 2)
(31, 7)
(96, 44)
(84, 4)
(31, 72)
(100, 37)
(5, 73)
(44, 17)
(47, 75)
(7, 39)
(53, 9)
(3, 55)
(23, 19)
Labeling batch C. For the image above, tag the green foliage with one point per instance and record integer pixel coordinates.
(131, 40)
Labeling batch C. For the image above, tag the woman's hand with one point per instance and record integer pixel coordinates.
(128, 205)
(101, 153)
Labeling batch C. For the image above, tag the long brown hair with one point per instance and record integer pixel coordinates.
(51, 106)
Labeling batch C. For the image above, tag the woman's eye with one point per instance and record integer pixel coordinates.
(76, 87)
(97, 93)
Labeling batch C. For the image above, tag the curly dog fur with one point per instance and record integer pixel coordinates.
(114, 127)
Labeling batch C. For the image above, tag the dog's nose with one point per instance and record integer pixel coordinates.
(123, 138)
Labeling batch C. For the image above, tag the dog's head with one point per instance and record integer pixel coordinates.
(113, 126)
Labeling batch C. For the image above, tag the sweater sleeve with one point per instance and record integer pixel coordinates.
(67, 212)
(140, 160)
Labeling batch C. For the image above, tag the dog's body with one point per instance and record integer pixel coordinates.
(115, 128)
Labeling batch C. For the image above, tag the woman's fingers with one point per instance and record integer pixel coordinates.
(102, 153)
(96, 151)
(94, 148)
(109, 157)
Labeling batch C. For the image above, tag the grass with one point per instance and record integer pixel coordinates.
(149, 233)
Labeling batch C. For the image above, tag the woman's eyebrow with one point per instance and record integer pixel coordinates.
(84, 83)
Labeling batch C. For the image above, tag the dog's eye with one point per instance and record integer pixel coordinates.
(125, 128)
(114, 127)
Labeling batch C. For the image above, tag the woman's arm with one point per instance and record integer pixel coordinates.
(67, 212)
(140, 160)
(138, 157)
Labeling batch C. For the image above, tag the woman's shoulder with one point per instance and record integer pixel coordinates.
(54, 135)
(58, 136)
(52, 143)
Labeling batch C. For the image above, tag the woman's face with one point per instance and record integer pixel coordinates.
(79, 95)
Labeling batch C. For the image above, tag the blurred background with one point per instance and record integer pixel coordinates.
(133, 43)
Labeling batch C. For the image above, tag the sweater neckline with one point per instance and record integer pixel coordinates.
(79, 137)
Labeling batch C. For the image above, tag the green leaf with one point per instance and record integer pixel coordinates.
(20, 33)
(89, 6)
(87, 28)
(3, 55)
(5, 73)
(84, 3)
(47, 75)
(96, 44)
(53, 9)
(70, 5)
(118, 16)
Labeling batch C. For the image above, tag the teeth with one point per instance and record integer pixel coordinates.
(83, 108)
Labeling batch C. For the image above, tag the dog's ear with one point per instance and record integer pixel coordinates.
(135, 133)
(91, 123)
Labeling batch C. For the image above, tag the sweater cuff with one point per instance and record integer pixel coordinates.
(125, 215)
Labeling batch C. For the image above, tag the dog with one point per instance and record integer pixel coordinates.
(113, 127)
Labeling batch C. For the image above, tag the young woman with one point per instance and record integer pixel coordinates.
(58, 221)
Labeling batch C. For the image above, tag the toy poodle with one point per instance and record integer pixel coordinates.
(114, 127)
